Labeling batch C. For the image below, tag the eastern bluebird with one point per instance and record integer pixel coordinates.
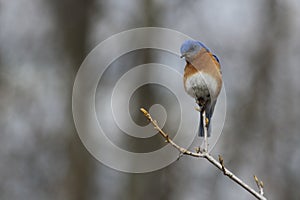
(202, 78)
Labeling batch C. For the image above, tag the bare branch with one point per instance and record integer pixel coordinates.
(203, 153)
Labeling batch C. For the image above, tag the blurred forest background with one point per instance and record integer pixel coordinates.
(42, 44)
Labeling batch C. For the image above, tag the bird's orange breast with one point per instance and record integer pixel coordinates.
(204, 62)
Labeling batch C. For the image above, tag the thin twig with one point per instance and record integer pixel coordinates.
(260, 185)
(204, 154)
(221, 161)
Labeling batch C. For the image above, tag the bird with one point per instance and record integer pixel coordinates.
(202, 79)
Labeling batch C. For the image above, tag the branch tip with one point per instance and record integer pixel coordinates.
(221, 161)
(144, 111)
(259, 184)
(256, 179)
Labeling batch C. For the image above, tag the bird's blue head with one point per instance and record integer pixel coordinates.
(190, 48)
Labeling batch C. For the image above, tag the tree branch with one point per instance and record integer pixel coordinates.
(203, 153)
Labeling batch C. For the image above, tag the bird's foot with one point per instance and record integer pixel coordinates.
(200, 101)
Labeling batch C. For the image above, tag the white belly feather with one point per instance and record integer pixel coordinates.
(201, 85)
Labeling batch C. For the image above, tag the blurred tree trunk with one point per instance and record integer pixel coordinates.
(148, 186)
(72, 21)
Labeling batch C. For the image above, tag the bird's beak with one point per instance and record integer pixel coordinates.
(183, 55)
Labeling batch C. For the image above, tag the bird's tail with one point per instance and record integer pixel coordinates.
(201, 127)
